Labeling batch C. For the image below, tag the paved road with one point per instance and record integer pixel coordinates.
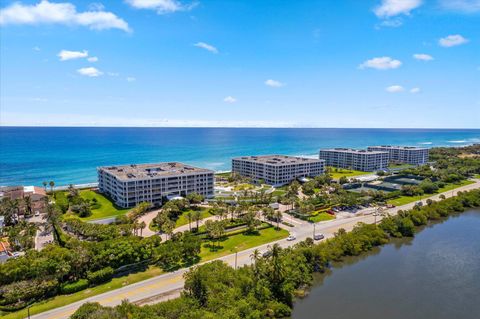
(173, 282)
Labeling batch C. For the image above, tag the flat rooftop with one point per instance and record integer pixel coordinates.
(395, 147)
(278, 159)
(149, 171)
(351, 150)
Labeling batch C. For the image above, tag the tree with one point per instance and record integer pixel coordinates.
(27, 200)
(168, 228)
(197, 216)
(8, 210)
(278, 217)
(189, 217)
(142, 226)
(52, 184)
(343, 180)
(45, 185)
(195, 198)
(51, 218)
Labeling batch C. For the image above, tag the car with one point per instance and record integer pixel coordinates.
(291, 237)
(318, 237)
(37, 213)
(267, 254)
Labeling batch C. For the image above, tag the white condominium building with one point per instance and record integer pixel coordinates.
(360, 160)
(129, 185)
(404, 154)
(277, 169)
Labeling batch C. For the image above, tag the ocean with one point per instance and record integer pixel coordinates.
(70, 155)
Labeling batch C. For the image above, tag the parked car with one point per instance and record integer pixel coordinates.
(318, 237)
(291, 237)
(267, 254)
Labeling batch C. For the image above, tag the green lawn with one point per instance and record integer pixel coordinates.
(477, 176)
(336, 173)
(240, 242)
(63, 300)
(183, 218)
(402, 200)
(106, 209)
(321, 217)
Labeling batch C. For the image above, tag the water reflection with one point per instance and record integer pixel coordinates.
(434, 275)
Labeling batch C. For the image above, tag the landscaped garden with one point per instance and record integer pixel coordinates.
(240, 241)
(320, 217)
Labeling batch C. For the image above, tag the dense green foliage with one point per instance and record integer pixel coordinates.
(71, 287)
(267, 288)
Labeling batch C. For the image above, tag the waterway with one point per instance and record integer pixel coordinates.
(434, 275)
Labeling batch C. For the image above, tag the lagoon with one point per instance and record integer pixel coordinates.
(434, 275)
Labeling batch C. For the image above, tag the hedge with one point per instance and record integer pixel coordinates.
(100, 276)
(70, 288)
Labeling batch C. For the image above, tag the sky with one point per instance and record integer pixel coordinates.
(233, 63)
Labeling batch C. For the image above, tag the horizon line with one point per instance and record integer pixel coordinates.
(240, 127)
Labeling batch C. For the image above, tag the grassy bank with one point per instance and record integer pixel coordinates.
(107, 208)
(63, 300)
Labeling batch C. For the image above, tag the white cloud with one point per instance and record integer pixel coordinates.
(423, 57)
(230, 99)
(131, 79)
(36, 48)
(452, 40)
(395, 89)
(207, 47)
(381, 63)
(391, 8)
(415, 90)
(65, 13)
(65, 55)
(392, 23)
(161, 6)
(92, 59)
(462, 6)
(113, 74)
(90, 71)
(274, 83)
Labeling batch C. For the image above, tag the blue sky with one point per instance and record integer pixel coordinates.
(329, 63)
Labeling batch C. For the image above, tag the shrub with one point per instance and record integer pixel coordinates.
(70, 288)
(22, 292)
(100, 276)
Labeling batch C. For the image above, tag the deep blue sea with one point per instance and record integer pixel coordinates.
(30, 155)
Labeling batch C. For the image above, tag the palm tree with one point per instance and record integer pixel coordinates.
(189, 216)
(52, 184)
(45, 185)
(51, 220)
(136, 225)
(7, 209)
(276, 262)
(197, 216)
(278, 216)
(142, 226)
(27, 200)
(255, 256)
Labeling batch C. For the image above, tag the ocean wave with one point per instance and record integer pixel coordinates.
(425, 143)
(315, 156)
(457, 141)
